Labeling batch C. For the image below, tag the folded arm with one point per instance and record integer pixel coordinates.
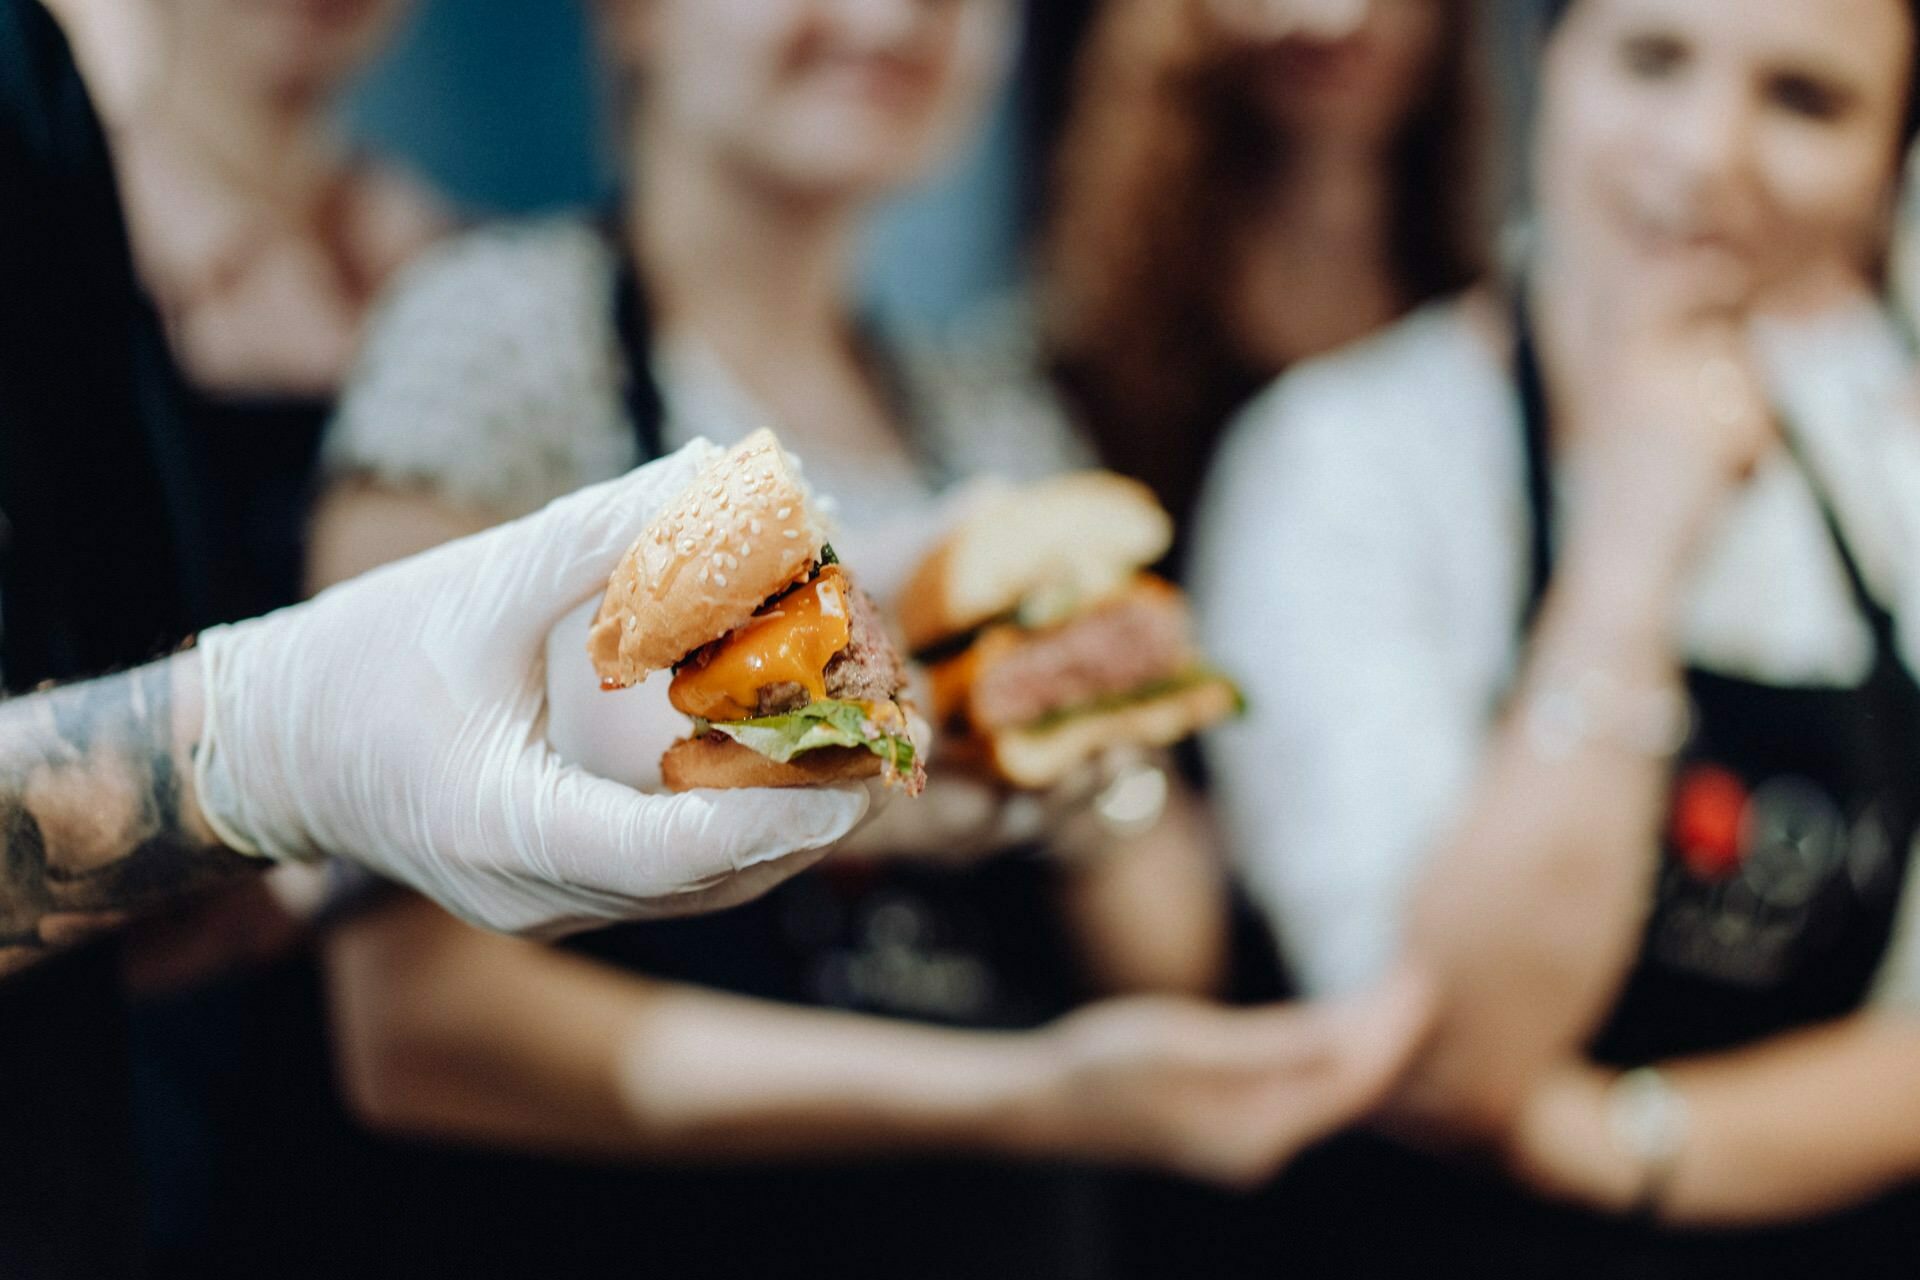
(1377, 814)
(448, 1032)
(1800, 1124)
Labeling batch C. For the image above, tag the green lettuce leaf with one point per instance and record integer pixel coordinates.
(816, 725)
(1188, 679)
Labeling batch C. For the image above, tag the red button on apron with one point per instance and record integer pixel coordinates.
(1709, 811)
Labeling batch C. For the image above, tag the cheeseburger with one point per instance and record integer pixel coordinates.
(1045, 640)
(781, 661)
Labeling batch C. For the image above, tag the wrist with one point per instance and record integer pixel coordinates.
(1615, 613)
(1569, 709)
(1566, 1149)
(1634, 529)
(188, 728)
(245, 780)
(1647, 1122)
(1024, 1097)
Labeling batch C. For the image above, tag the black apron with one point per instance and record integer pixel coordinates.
(1790, 822)
(1791, 816)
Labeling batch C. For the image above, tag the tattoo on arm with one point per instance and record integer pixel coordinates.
(93, 812)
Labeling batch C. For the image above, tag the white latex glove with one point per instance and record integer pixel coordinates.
(398, 721)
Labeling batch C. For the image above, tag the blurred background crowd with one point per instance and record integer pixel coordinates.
(1531, 384)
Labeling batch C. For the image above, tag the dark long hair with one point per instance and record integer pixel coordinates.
(1160, 168)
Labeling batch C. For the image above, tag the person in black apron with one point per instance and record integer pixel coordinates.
(1758, 928)
(1788, 926)
(1784, 823)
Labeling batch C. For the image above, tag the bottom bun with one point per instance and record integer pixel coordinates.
(1040, 758)
(715, 760)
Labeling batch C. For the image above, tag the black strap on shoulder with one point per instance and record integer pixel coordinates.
(1879, 620)
(633, 329)
(645, 401)
(1538, 458)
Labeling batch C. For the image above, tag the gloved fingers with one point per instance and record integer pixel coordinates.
(610, 838)
(732, 890)
(548, 919)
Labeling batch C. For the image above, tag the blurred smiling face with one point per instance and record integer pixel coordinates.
(1747, 148)
(819, 95)
(1353, 68)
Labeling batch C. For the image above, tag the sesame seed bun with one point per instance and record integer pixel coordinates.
(1039, 758)
(1081, 536)
(714, 760)
(742, 531)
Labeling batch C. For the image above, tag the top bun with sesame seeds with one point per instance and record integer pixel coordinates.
(1054, 546)
(782, 663)
(742, 532)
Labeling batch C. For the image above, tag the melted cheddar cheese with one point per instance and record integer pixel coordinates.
(792, 642)
(950, 683)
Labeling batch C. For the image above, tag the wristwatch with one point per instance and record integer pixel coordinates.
(1134, 799)
(1124, 796)
(1566, 713)
(1647, 1120)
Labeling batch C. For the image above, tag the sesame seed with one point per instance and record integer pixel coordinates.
(720, 579)
(753, 526)
(746, 548)
(686, 546)
(704, 572)
(790, 534)
(783, 513)
(731, 562)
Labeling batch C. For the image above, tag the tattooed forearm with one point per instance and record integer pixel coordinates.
(97, 822)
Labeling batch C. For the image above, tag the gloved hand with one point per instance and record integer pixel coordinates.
(398, 721)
